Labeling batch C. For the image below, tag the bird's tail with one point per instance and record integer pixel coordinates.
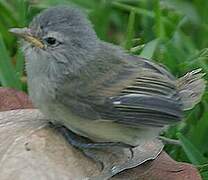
(191, 88)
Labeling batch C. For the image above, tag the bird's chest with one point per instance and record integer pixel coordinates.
(42, 92)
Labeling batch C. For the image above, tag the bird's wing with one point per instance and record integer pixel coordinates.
(149, 98)
(141, 93)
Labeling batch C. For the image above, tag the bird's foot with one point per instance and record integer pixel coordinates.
(98, 152)
(112, 158)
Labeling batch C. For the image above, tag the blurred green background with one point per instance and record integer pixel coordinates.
(172, 32)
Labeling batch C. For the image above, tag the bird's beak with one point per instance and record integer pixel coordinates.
(26, 34)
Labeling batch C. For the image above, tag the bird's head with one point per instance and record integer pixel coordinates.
(56, 38)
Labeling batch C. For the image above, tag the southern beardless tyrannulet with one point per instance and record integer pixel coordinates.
(96, 89)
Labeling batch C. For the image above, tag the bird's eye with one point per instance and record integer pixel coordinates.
(51, 41)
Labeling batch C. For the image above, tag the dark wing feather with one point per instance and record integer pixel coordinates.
(152, 99)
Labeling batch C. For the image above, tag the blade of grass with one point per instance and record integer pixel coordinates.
(7, 73)
(22, 7)
(200, 139)
(140, 11)
(101, 20)
(149, 49)
(160, 31)
(8, 12)
(184, 7)
(130, 8)
(194, 155)
(130, 30)
(204, 175)
(199, 59)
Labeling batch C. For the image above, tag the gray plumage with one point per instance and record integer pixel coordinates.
(96, 89)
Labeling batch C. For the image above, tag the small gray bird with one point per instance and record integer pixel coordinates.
(96, 90)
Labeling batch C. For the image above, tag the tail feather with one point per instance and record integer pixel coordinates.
(191, 88)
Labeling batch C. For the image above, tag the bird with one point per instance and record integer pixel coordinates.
(98, 93)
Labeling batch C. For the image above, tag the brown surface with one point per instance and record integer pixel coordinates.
(11, 99)
(44, 154)
(162, 168)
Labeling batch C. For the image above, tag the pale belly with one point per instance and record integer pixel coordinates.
(102, 130)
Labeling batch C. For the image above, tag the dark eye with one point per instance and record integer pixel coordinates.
(51, 41)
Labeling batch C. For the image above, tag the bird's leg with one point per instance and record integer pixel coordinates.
(110, 157)
(82, 142)
(98, 152)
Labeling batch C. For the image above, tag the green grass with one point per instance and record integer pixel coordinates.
(173, 33)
